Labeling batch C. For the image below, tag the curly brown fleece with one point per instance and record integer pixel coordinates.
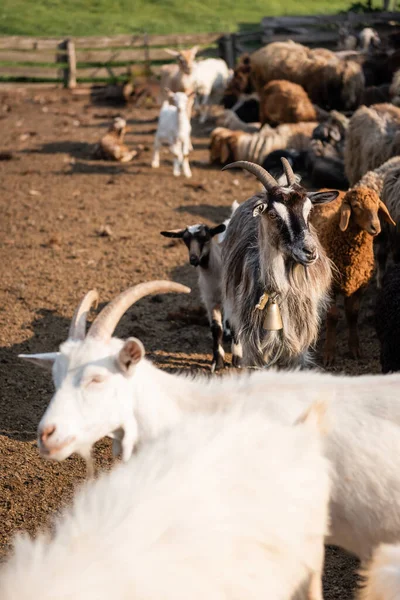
(285, 102)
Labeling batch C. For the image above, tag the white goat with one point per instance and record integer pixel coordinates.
(210, 79)
(105, 386)
(228, 506)
(383, 574)
(174, 129)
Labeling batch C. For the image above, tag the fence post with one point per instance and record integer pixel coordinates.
(226, 50)
(147, 54)
(71, 55)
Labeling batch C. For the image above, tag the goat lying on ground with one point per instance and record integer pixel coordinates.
(111, 145)
(174, 129)
(225, 506)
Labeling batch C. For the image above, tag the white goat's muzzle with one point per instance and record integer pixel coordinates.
(51, 445)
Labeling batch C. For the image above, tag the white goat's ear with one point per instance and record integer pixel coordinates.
(323, 197)
(132, 353)
(45, 360)
(259, 209)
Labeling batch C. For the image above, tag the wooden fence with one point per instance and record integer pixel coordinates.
(92, 59)
(98, 59)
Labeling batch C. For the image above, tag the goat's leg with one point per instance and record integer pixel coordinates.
(352, 308)
(217, 335)
(204, 108)
(382, 244)
(237, 352)
(185, 159)
(176, 150)
(332, 319)
(155, 163)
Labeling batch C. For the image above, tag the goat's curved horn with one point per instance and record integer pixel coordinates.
(105, 323)
(290, 176)
(262, 175)
(77, 329)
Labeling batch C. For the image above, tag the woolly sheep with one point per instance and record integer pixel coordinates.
(287, 102)
(373, 137)
(346, 228)
(225, 506)
(106, 386)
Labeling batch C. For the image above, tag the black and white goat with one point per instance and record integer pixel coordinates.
(275, 274)
(205, 253)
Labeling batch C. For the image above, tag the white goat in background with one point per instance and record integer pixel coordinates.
(174, 129)
(105, 386)
(225, 506)
(211, 77)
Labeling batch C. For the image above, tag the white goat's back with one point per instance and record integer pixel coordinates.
(211, 76)
(383, 575)
(228, 506)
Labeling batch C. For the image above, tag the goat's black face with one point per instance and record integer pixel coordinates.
(197, 239)
(286, 215)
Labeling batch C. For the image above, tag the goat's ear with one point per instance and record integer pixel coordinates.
(217, 229)
(345, 213)
(45, 360)
(174, 233)
(129, 356)
(384, 213)
(259, 209)
(194, 50)
(323, 197)
(172, 52)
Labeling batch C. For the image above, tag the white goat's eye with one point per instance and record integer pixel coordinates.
(94, 379)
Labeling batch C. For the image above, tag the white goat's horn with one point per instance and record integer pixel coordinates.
(77, 329)
(262, 175)
(290, 176)
(104, 324)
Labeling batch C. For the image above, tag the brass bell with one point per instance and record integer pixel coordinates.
(273, 318)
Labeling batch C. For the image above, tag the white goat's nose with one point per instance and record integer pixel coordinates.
(46, 432)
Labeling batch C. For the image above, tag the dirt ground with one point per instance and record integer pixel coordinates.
(54, 201)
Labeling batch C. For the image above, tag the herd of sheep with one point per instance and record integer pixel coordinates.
(230, 486)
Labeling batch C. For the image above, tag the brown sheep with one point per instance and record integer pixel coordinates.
(346, 229)
(373, 136)
(283, 101)
(111, 146)
(329, 81)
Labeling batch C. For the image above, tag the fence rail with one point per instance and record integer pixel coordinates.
(112, 57)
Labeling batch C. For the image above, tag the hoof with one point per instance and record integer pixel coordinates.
(236, 361)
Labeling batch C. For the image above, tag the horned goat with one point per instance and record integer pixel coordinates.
(373, 137)
(272, 254)
(226, 506)
(346, 229)
(205, 253)
(111, 145)
(174, 129)
(100, 380)
(227, 146)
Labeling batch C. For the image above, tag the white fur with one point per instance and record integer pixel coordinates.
(210, 80)
(174, 129)
(228, 506)
(383, 575)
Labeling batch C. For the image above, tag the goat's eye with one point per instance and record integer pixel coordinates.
(94, 380)
(272, 215)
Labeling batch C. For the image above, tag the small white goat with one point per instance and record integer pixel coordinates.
(210, 80)
(225, 506)
(174, 129)
(105, 386)
(383, 574)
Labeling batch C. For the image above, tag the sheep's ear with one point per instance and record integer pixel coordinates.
(172, 52)
(345, 216)
(131, 353)
(384, 213)
(217, 229)
(174, 233)
(323, 197)
(45, 360)
(259, 209)
(224, 151)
